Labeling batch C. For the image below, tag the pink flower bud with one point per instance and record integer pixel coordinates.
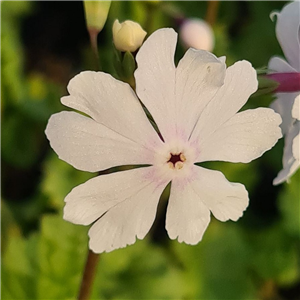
(288, 82)
(198, 34)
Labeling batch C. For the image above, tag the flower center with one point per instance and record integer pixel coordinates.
(176, 161)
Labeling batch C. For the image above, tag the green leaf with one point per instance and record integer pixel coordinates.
(274, 255)
(62, 249)
(128, 64)
(20, 140)
(18, 278)
(12, 58)
(144, 266)
(217, 267)
(47, 265)
(60, 178)
(289, 205)
(9, 226)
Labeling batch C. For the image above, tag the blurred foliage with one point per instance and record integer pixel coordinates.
(45, 265)
(43, 255)
(62, 176)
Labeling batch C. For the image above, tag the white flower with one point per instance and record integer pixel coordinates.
(196, 33)
(128, 35)
(195, 106)
(287, 31)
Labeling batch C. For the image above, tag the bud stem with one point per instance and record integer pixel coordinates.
(88, 276)
(212, 12)
(93, 33)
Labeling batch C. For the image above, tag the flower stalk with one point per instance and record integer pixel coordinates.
(88, 276)
(93, 33)
(95, 15)
(212, 12)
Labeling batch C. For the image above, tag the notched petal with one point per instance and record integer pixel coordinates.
(290, 158)
(199, 75)
(155, 78)
(287, 32)
(244, 137)
(90, 146)
(112, 103)
(296, 108)
(122, 205)
(187, 217)
(190, 203)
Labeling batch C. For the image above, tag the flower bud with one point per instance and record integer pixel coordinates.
(96, 14)
(128, 35)
(266, 85)
(197, 34)
(288, 82)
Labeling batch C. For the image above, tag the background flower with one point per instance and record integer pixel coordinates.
(196, 33)
(287, 32)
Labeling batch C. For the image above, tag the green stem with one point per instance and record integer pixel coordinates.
(150, 8)
(212, 11)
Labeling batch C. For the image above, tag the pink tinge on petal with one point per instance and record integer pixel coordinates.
(288, 82)
(192, 200)
(122, 207)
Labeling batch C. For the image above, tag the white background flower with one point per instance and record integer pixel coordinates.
(287, 32)
(198, 34)
(195, 106)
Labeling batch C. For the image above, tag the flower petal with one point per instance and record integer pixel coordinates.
(290, 158)
(90, 146)
(124, 203)
(191, 200)
(226, 200)
(111, 103)
(283, 105)
(244, 137)
(240, 83)
(187, 216)
(296, 108)
(155, 78)
(287, 32)
(296, 145)
(277, 64)
(199, 75)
